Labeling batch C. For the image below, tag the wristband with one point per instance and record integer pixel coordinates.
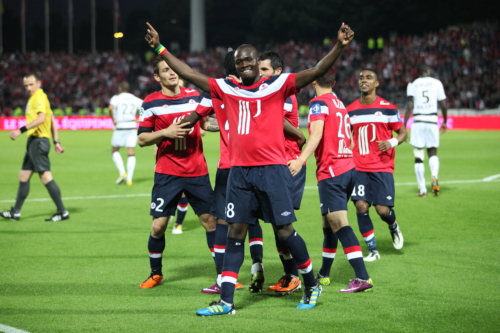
(57, 142)
(161, 50)
(23, 129)
(394, 142)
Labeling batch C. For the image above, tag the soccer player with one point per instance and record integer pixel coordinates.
(424, 95)
(39, 126)
(271, 63)
(259, 183)
(373, 120)
(180, 164)
(123, 109)
(329, 140)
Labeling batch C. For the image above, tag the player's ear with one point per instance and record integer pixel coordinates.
(334, 83)
(157, 78)
(376, 84)
(279, 71)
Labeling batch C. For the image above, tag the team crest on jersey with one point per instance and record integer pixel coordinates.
(263, 86)
(378, 113)
(316, 109)
(192, 101)
(153, 205)
(165, 106)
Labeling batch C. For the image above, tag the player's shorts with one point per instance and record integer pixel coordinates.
(376, 188)
(298, 184)
(334, 192)
(168, 189)
(124, 138)
(424, 135)
(263, 192)
(219, 203)
(37, 155)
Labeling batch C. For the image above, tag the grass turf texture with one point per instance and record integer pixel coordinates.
(83, 275)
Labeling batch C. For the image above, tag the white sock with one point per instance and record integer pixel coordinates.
(117, 158)
(434, 165)
(257, 267)
(219, 280)
(130, 167)
(419, 171)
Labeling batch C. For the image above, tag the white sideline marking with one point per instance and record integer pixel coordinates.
(487, 179)
(9, 329)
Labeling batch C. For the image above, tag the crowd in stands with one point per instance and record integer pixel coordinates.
(467, 60)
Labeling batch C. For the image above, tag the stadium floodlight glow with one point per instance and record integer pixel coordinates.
(118, 34)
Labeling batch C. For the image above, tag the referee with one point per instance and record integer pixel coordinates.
(39, 128)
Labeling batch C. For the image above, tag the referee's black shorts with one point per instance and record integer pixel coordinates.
(37, 155)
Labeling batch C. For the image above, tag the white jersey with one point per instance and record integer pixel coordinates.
(426, 92)
(125, 107)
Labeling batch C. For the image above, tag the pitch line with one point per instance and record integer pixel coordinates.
(9, 329)
(494, 178)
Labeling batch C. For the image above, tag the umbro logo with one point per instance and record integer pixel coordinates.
(190, 90)
(384, 103)
(389, 197)
(285, 213)
(237, 244)
(321, 205)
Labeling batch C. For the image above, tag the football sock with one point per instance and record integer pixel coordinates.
(256, 243)
(289, 266)
(419, 171)
(22, 194)
(117, 158)
(390, 219)
(130, 167)
(329, 250)
(55, 194)
(155, 248)
(182, 207)
(233, 259)
(365, 225)
(353, 252)
(297, 247)
(434, 166)
(220, 245)
(211, 241)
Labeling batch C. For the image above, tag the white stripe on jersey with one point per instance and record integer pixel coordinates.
(265, 90)
(159, 110)
(370, 118)
(206, 102)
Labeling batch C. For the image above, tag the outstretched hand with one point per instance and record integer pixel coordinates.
(443, 128)
(177, 130)
(345, 34)
(152, 36)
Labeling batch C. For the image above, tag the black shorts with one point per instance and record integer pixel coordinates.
(376, 188)
(37, 155)
(298, 184)
(168, 189)
(219, 203)
(334, 192)
(263, 192)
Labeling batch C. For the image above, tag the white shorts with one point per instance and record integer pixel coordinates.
(124, 138)
(424, 135)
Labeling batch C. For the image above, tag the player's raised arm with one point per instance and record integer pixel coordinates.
(182, 69)
(345, 35)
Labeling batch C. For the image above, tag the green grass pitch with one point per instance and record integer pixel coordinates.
(83, 275)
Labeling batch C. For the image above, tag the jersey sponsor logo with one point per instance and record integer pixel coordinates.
(286, 213)
(384, 103)
(316, 109)
(364, 138)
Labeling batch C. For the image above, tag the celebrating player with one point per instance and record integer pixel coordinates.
(424, 95)
(373, 120)
(259, 183)
(180, 164)
(329, 140)
(123, 109)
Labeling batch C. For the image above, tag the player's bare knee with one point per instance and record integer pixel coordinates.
(159, 226)
(208, 222)
(284, 231)
(361, 206)
(382, 210)
(237, 230)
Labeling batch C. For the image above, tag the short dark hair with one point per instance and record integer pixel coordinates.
(327, 80)
(35, 75)
(371, 70)
(275, 59)
(229, 64)
(124, 86)
(156, 68)
(423, 68)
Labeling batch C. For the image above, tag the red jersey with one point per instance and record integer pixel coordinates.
(372, 123)
(291, 113)
(208, 106)
(255, 118)
(176, 157)
(333, 155)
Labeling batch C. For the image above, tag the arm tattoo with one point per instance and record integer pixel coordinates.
(212, 125)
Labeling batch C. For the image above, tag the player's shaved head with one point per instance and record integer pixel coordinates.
(370, 70)
(246, 48)
(245, 58)
(423, 69)
(124, 86)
